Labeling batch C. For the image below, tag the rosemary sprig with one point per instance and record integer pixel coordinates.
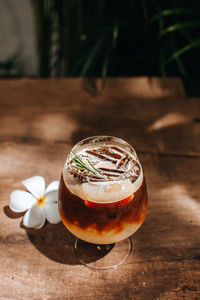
(80, 165)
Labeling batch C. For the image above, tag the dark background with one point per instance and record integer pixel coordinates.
(114, 38)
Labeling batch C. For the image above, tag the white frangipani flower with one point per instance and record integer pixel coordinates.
(40, 204)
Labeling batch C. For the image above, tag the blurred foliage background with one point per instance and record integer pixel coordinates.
(114, 38)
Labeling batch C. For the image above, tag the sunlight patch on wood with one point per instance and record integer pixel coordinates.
(182, 203)
(168, 120)
(54, 127)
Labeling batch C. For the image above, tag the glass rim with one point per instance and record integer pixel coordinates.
(107, 139)
(103, 138)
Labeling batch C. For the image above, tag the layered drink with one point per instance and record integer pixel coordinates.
(102, 193)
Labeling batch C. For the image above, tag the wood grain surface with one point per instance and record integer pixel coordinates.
(40, 120)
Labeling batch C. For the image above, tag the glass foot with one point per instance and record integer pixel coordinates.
(103, 257)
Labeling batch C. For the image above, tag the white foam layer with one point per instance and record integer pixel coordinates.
(124, 175)
(106, 191)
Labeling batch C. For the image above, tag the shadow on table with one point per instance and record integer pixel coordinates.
(11, 214)
(55, 242)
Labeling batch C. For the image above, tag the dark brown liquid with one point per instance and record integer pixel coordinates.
(101, 217)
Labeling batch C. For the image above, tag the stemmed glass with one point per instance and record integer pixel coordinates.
(102, 200)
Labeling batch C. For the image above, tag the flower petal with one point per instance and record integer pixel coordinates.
(52, 196)
(35, 185)
(52, 186)
(21, 201)
(35, 217)
(52, 213)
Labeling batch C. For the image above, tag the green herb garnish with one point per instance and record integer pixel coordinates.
(80, 165)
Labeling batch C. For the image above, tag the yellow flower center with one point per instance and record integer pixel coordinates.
(41, 201)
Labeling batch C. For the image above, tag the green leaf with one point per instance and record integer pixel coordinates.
(186, 35)
(183, 50)
(160, 17)
(178, 59)
(162, 60)
(80, 165)
(181, 25)
(109, 51)
(90, 60)
(115, 34)
(175, 11)
(104, 70)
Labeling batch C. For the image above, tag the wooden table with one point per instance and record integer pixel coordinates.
(39, 122)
